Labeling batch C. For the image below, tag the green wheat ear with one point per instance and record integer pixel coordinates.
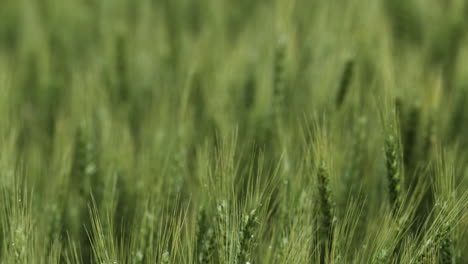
(411, 127)
(430, 140)
(345, 82)
(165, 258)
(205, 238)
(325, 212)
(84, 166)
(223, 223)
(279, 78)
(84, 183)
(247, 237)
(355, 167)
(393, 163)
(80, 160)
(250, 90)
(446, 250)
(439, 239)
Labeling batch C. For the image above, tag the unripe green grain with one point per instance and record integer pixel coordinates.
(355, 166)
(439, 239)
(247, 237)
(392, 161)
(165, 258)
(345, 82)
(325, 223)
(410, 137)
(430, 139)
(446, 250)
(205, 239)
(80, 162)
(223, 222)
(279, 78)
(84, 183)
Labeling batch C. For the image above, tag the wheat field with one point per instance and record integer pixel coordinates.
(233, 132)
